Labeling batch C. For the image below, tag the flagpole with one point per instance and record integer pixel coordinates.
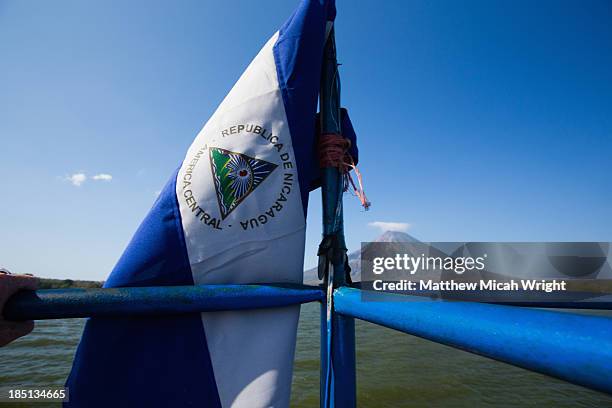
(338, 380)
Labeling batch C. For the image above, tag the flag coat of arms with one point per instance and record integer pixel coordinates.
(233, 212)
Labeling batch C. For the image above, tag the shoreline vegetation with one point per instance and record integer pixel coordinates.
(46, 283)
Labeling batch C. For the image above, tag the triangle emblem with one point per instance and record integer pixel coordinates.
(236, 175)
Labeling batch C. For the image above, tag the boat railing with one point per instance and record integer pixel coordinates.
(573, 347)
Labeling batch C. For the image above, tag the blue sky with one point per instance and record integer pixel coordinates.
(478, 120)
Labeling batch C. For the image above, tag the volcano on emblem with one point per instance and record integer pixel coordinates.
(236, 175)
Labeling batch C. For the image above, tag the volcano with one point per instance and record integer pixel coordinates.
(354, 258)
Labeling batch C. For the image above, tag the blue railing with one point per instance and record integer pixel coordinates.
(153, 301)
(575, 348)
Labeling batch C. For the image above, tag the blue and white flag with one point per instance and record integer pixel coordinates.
(234, 212)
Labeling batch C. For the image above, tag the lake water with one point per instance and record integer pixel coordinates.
(393, 370)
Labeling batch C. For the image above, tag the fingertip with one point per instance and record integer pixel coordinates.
(24, 328)
(11, 331)
(28, 326)
(27, 282)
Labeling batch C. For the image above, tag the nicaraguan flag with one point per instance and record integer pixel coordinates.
(234, 212)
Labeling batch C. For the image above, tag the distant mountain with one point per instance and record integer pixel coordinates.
(354, 258)
(396, 236)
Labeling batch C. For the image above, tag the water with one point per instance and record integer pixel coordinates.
(393, 370)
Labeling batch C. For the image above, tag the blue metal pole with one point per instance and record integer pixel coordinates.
(342, 378)
(153, 301)
(323, 378)
(569, 300)
(599, 303)
(574, 348)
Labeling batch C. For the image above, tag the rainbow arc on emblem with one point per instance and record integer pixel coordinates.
(236, 175)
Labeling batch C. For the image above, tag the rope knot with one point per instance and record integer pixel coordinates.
(334, 152)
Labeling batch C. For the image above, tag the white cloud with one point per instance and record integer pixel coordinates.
(102, 177)
(390, 226)
(77, 179)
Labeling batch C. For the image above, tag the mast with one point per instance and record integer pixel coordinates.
(337, 332)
